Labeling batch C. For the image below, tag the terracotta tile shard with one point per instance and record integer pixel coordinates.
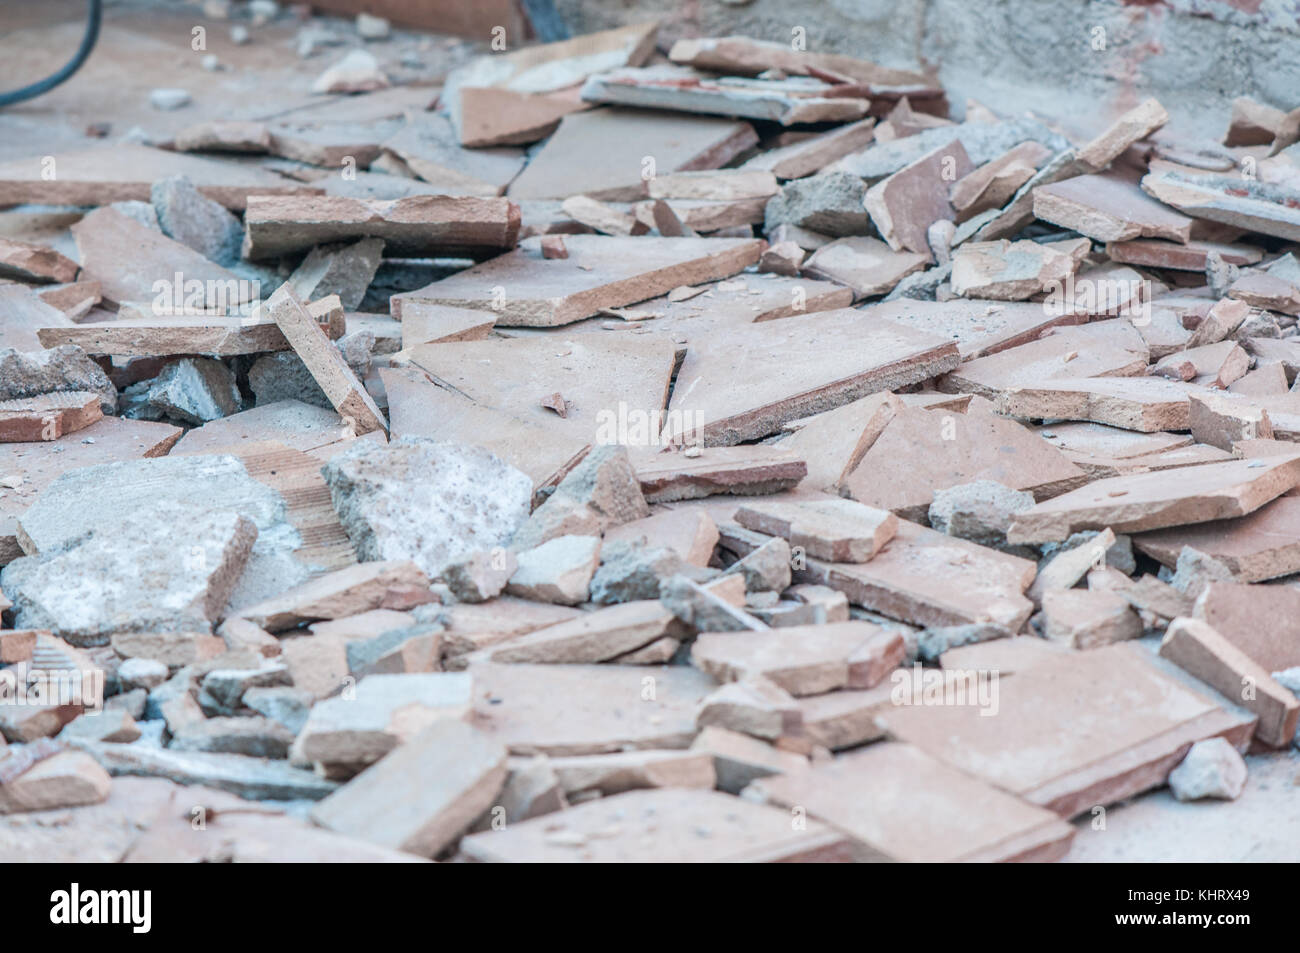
(1014, 271)
(553, 247)
(1191, 256)
(1135, 125)
(124, 173)
(866, 265)
(26, 261)
(900, 804)
(1230, 200)
(689, 532)
(1144, 404)
(661, 826)
(612, 143)
(1252, 123)
(596, 375)
(803, 660)
(325, 362)
(420, 225)
(1129, 504)
(1196, 647)
(979, 327)
(1076, 730)
(345, 592)
(600, 217)
(1262, 290)
(921, 451)
(593, 637)
(904, 205)
(603, 711)
(165, 336)
(1109, 208)
(1262, 545)
(128, 260)
(424, 323)
(427, 146)
(923, 577)
(114, 439)
(423, 795)
(520, 96)
(600, 272)
(741, 471)
(48, 417)
(1088, 618)
(419, 407)
(839, 531)
(1223, 319)
(761, 376)
(1220, 420)
(992, 184)
(835, 441)
(1260, 620)
(787, 101)
(224, 135)
(813, 154)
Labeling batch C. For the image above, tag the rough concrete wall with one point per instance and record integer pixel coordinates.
(1081, 60)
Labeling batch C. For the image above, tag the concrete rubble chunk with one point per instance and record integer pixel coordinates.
(829, 203)
(140, 577)
(421, 797)
(630, 572)
(345, 270)
(430, 502)
(980, 511)
(1212, 769)
(482, 575)
(195, 391)
(196, 221)
(61, 369)
(704, 610)
(766, 568)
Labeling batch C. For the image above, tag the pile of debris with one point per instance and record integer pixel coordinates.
(616, 456)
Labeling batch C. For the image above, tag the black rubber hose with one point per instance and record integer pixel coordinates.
(95, 14)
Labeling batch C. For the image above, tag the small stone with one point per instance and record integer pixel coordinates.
(372, 27)
(1212, 769)
(169, 99)
(239, 34)
(142, 673)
